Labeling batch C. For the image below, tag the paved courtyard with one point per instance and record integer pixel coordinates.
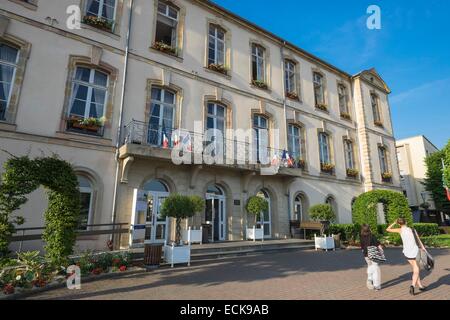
(301, 275)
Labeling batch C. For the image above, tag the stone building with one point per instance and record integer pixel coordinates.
(109, 95)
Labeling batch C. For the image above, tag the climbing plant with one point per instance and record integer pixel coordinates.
(365, 208)
(21, 177)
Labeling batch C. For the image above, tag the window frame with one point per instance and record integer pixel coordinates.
(288, 74)
(376, 111)
(328, 147)
(350, 162)
(256, 59)
(166, 15)
(15, 67)
(256, 129)
(292, 141)
(216, 39)
(343, 92)
(101, 8)
(383, 155)
(320, 85)
(162, 106)
(91, 191)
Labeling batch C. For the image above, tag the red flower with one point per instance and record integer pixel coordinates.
(97, 271)
(116, 261)
(8, 289)
(123, 268)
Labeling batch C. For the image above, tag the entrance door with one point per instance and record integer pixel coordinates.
(215, 214)
(265, 217)
(155, 226)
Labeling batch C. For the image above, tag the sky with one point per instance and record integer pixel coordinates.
(411, 51)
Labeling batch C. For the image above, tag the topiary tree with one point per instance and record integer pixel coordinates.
(365, 208)
(181, 207)
(256, 205)
(433, 181)
(323, 213)
(22, 176)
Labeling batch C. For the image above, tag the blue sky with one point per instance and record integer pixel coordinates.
(411, 51)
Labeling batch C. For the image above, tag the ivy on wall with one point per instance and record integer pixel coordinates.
(21, 177)
(365, 208)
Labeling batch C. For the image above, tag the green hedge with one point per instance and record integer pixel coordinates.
(348, 232)
(439, 241)
(423, 229)
(365, 208)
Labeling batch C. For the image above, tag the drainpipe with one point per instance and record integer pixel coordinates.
(119, 129)
(285, 126)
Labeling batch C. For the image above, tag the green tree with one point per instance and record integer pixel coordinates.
(447, 164)
(433, 180)
(322, 212)
(256, 205)
(181, 207)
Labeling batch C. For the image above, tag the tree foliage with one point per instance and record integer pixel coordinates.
(365, 208)
(433, 180)
(181, 207)
(21, 177)
(322, 212)
(447, 164)
(256, 205)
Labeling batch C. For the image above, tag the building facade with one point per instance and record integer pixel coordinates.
(411, 154)
(111, 102)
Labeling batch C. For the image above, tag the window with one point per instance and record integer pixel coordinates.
(89, 96)
(9, 57)
(167, 25)
(376, 110)
(319, 94)
(86, 195)
(101, 10)
(215, 124)
(324, 148)
(349, 154)
(294, 141)
(261, 138)
(383, 160)
(216, 49)
(343, 100)
(162, 112)
(258, 63)
(290, 81)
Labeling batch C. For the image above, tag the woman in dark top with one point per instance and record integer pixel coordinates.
(373, 269)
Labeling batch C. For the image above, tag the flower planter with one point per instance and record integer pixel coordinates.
(218, 68)
(352, 173)
(327, 168)
(324, 243)
(379, 124)
(152, 255)
(322, 107)
(386, 177)
(161, 46)
(177, 254)
(260, 84)
(255, 234)
(301, 164)
(292, 95)
(192, 236)
(346, 116)
(98, 22)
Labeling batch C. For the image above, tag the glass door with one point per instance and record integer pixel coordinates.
(156, 226)
(215, 217)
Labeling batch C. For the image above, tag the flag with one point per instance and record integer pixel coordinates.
(175, 139)
(275, 160)
(290, 161)
(187, 142)
(165, 143)
(447, 190)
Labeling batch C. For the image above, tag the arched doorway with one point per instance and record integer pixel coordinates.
(147, 224)
(300, 208)
(265, 218)
(332, 202)
(215, 213)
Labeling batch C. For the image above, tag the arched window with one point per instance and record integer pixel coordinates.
(8, 64)
(214, 190)
(265, 219)
(87, 199)
(332, 202)
(162, 113)
(155, 186)
(300, 208)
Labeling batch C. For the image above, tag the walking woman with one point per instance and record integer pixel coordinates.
(373, 269)
(410, 250)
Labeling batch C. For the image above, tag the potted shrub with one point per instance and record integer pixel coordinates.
(218, 68)
(322, 213)
(255, 206)
(352, 173)
(161, 46)
(180, 207)
(327, 167)
(98, 22)
(322, 106)
(90, 124)
(260, 84)
(301, 164)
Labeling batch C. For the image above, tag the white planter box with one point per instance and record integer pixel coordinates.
(255, 234)
(192, 236)
(174, 255)
(324, 243)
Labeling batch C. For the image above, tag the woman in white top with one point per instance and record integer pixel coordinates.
(410, 250)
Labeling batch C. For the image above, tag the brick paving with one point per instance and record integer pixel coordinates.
(301, 275)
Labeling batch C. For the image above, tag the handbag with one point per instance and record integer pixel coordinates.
(424, 259)
(375, 254)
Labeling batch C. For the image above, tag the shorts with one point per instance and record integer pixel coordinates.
(410, 259)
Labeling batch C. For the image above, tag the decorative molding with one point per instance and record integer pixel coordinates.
(126, 165)
(4, 23)
(96, 55)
